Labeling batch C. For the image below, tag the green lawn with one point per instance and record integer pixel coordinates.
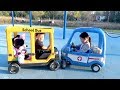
(114, 31)
(107, 30)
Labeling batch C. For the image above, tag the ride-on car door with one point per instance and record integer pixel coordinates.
(74, 55)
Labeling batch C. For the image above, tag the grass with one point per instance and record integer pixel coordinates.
(103, 29)
(107, 30)
(114, 31)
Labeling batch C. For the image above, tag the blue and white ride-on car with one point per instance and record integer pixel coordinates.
(92, 58)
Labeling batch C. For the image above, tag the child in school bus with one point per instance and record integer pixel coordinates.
(39, 46)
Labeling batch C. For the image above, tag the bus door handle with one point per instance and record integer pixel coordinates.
(31, 54)
(9, 54)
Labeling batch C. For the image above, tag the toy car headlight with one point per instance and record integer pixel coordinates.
(57, 52)
(63, 54)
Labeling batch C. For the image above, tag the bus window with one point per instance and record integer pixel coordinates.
(21, 44)
(42, 43)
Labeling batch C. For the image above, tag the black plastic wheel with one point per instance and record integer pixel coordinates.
(13, 68)
(63, 64)
(54, 65)
(95, 68)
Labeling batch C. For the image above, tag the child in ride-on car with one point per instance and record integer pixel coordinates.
(86, 43)
(39, 46)
(20, 51)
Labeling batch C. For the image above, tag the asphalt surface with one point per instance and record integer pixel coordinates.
(110, 71)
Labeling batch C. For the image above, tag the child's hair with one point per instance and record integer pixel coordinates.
(38, 33)
(18, 43)
(85, 35)
(18, 36)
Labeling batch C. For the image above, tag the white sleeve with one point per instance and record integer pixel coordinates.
(85, 48)
(14, 52)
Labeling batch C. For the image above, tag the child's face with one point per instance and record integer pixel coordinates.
(84, 40)
(40, 37)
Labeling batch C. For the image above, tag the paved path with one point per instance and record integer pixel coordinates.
(110, 71)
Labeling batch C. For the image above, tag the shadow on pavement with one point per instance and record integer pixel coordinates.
(3, 64)
(77, 68)
(36, 67)
(3, 60)
(4, 71)
(70, 68)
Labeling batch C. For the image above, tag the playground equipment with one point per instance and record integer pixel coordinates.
(30, 15)
(93, 60)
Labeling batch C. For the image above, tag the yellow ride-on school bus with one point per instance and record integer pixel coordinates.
(52, 61)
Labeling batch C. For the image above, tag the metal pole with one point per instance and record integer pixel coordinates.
(30, 17)
(12, 18)
(65, 20)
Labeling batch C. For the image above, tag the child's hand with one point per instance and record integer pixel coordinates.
(48, 47)
(24, 50)
(72, 45)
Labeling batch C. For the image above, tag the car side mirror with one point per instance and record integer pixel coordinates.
(72, 45)
(68, 49)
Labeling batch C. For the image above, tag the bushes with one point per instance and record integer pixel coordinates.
(59, 23)
(5, 20)
(95, 24)
(107, 25)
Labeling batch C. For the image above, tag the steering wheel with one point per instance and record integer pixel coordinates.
(44, 51)
(73, 47)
